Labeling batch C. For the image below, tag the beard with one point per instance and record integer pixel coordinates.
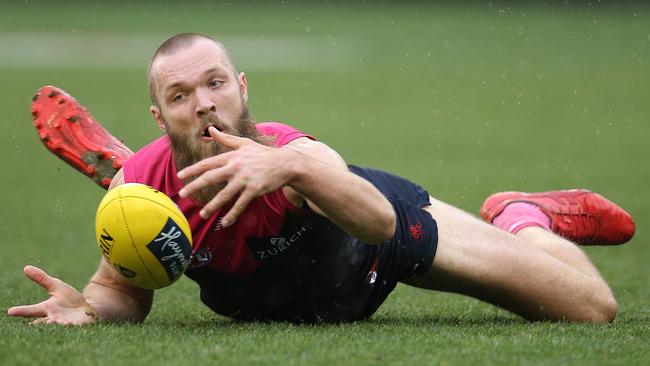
(188, 149)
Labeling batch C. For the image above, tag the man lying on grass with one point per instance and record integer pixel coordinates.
(351, 233)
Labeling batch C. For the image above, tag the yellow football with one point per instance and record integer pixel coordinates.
(143, 235)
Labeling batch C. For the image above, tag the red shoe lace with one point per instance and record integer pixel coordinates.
(577, 224)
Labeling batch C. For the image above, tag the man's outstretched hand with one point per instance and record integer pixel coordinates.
(249, 169)
(65, 306)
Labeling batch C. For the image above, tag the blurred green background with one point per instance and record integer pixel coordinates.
(464, 98)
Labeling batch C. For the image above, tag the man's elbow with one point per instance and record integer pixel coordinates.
(390, 224)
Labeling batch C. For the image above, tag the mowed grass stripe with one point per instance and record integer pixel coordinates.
(133, 51)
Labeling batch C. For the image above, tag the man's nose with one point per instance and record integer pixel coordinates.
(204, 104)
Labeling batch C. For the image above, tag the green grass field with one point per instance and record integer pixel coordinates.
(464, 99)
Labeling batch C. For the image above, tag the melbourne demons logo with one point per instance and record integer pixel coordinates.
(416, 231)
(201, 258)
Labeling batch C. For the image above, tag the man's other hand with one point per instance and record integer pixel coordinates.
(65, 306)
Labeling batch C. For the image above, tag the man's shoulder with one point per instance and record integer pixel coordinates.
(151, 164)
(281, 132)
(159, 145)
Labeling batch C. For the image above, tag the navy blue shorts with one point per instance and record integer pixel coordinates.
(328, 276)
(413, 247)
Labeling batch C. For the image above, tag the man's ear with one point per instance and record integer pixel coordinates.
(243, 86)
(155, 113)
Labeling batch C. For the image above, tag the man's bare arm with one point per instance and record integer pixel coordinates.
(110, 295)
(107, 297)
(322, 177)
(115, 300)
(310, 168)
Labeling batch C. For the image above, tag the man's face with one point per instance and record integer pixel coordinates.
(197, 87)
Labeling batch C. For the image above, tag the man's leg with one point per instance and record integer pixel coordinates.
(535, 273)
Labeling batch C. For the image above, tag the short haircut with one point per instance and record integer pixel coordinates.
(171, 46)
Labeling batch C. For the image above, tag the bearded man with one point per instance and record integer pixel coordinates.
(285, 230)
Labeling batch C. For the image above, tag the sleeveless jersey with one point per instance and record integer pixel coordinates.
(222, 249)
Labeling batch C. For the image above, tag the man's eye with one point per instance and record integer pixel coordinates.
(177, 97)
(215, 83)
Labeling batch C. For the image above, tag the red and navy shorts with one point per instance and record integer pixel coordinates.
(327, 276)
(413, 247)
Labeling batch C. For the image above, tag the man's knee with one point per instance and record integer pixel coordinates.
(602, 309)
(607, 309)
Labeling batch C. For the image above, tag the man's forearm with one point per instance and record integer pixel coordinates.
(112, 299)
(345, 198)
(112, 305)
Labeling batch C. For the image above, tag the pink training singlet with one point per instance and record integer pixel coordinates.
(222, 249)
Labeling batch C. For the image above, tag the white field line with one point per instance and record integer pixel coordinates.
(133, 51)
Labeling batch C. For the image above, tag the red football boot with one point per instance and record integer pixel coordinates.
(579, 215)
(68, 130)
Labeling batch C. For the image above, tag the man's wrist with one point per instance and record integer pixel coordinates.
(294, 163)
(90, 311)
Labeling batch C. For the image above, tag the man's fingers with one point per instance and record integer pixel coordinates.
(212, 177)
(227, 140)
(39, 321)
(45, 320)
(39, 276)
(202, 166)
(27, 311)
(240, 205)
(224, 196)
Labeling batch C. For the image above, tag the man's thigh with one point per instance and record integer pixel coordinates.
(482, 261)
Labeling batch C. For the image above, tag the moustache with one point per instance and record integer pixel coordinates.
(211, 120)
